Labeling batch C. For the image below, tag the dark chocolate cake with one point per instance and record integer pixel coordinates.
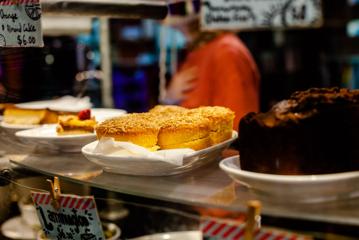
(313, 132)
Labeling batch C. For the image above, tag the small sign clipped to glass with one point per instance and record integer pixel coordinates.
(65, 216)
(220, 229)
(20, 23)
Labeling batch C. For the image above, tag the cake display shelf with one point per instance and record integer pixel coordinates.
(207, 187)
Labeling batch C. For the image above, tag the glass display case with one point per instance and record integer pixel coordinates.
(179, 202)
(187, 205)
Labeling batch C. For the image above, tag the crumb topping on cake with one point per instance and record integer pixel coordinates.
(215, 113)
(134, 122)
(168, 109)
(185, 121)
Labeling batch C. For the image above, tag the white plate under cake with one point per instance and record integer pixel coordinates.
(295, 188)
(47, 136)
(138, 165)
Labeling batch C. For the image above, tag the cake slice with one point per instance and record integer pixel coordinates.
(220, 120)
(185, 131)
(138, 128)
(14, 115)
(81, 124)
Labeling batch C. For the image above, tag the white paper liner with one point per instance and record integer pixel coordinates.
(109, 147)
(70, 103)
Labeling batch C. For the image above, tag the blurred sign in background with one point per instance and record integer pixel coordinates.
(254, 14)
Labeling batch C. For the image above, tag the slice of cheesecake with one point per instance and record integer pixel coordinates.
(81, 124)
(14, 115)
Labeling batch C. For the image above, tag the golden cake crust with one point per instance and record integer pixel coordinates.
(215, 114)
(197, 144)
(183, 129)
(134, 123)
(137, 128)
(221, 121)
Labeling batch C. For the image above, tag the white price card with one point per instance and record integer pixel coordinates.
(75, 218)
(260, 14)
(20, 23)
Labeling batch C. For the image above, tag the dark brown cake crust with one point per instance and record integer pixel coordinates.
(313, 132)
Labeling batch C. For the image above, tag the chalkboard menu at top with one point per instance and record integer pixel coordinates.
(260, 14)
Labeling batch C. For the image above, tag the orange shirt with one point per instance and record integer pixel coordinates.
(226, 76)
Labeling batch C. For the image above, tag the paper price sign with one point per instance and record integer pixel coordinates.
(260, 14)
(76, 217)
(20, 23)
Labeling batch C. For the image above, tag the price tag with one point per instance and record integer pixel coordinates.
(20, 23)
(76, 217)
(260, 14)
(221, 230)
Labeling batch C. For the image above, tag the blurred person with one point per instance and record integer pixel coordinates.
(219, 70)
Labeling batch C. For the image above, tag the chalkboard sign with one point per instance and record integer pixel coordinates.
(260, 14)
(20, 23)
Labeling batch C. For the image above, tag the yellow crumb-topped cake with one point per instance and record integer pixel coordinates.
(169, 127)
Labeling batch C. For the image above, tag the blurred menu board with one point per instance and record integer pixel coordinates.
(260, 14)
(20, 23)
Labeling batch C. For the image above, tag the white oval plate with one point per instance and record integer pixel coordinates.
(296, 188)
(66, 103)
(134, 165)
(13, 128)
(46, 136)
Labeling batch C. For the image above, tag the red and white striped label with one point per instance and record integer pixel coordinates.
(76, 217)
(220, 230)
(66, 201)
(16, 2)
(211, 228)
